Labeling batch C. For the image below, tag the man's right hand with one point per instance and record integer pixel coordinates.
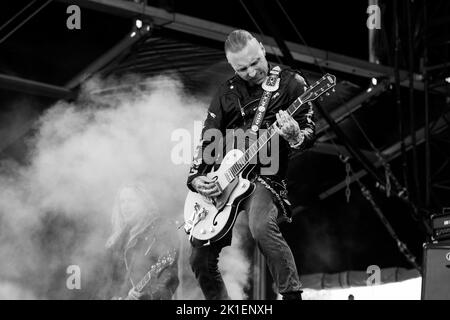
(206, 186)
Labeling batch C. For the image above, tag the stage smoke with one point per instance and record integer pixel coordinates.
(55, 210)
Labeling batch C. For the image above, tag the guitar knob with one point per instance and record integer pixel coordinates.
(202, 231)
(211, 230)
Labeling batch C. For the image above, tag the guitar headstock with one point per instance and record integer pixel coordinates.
(318, 88)
(163, 261)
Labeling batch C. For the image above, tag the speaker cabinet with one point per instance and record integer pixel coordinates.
(436, 271)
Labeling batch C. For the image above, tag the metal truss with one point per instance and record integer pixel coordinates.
(215, 31)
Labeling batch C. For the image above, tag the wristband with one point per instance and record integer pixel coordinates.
(300, 138)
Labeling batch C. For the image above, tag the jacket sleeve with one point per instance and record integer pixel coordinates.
(305, 115)
(203, 160)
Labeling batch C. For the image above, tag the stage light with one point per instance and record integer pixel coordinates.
(447, 79)
(374, 81)
(141, 27)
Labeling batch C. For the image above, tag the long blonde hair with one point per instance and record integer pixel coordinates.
(117, 220)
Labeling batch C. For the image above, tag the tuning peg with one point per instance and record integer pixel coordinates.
(327, 94)
(320, 99)
(333, 90)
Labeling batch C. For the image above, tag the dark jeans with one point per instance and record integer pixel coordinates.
(262, 215)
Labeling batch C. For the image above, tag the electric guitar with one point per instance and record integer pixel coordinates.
(210, 219)
(155, 269)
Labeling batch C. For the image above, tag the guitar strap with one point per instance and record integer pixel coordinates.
(270, 85)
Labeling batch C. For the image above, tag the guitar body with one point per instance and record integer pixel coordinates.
(211, 219)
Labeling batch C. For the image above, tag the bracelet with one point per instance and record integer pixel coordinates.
(300, 141)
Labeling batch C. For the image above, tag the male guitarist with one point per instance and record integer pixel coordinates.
(234, 106)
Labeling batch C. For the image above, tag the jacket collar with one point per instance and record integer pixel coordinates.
(236, 79)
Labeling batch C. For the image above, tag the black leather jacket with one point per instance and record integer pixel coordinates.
(234, 106)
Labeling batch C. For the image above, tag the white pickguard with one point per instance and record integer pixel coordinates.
(200, 212)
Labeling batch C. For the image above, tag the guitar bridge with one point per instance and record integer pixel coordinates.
(197, 215)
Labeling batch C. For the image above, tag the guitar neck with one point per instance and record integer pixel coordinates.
(144, 281)
(160, 265)
(141, 284)
(324, 84)
(253, 150)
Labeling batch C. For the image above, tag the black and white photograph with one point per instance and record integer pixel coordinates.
(242, 151)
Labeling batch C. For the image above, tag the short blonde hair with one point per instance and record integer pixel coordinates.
(237, 40)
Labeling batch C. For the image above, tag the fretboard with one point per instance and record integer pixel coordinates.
(253, 150)
(144, 281)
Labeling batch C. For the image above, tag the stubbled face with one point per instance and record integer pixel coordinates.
(250, 63)
(131, 205)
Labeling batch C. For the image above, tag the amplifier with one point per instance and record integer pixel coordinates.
(441, 225)
(436, 272)
(440, 234)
